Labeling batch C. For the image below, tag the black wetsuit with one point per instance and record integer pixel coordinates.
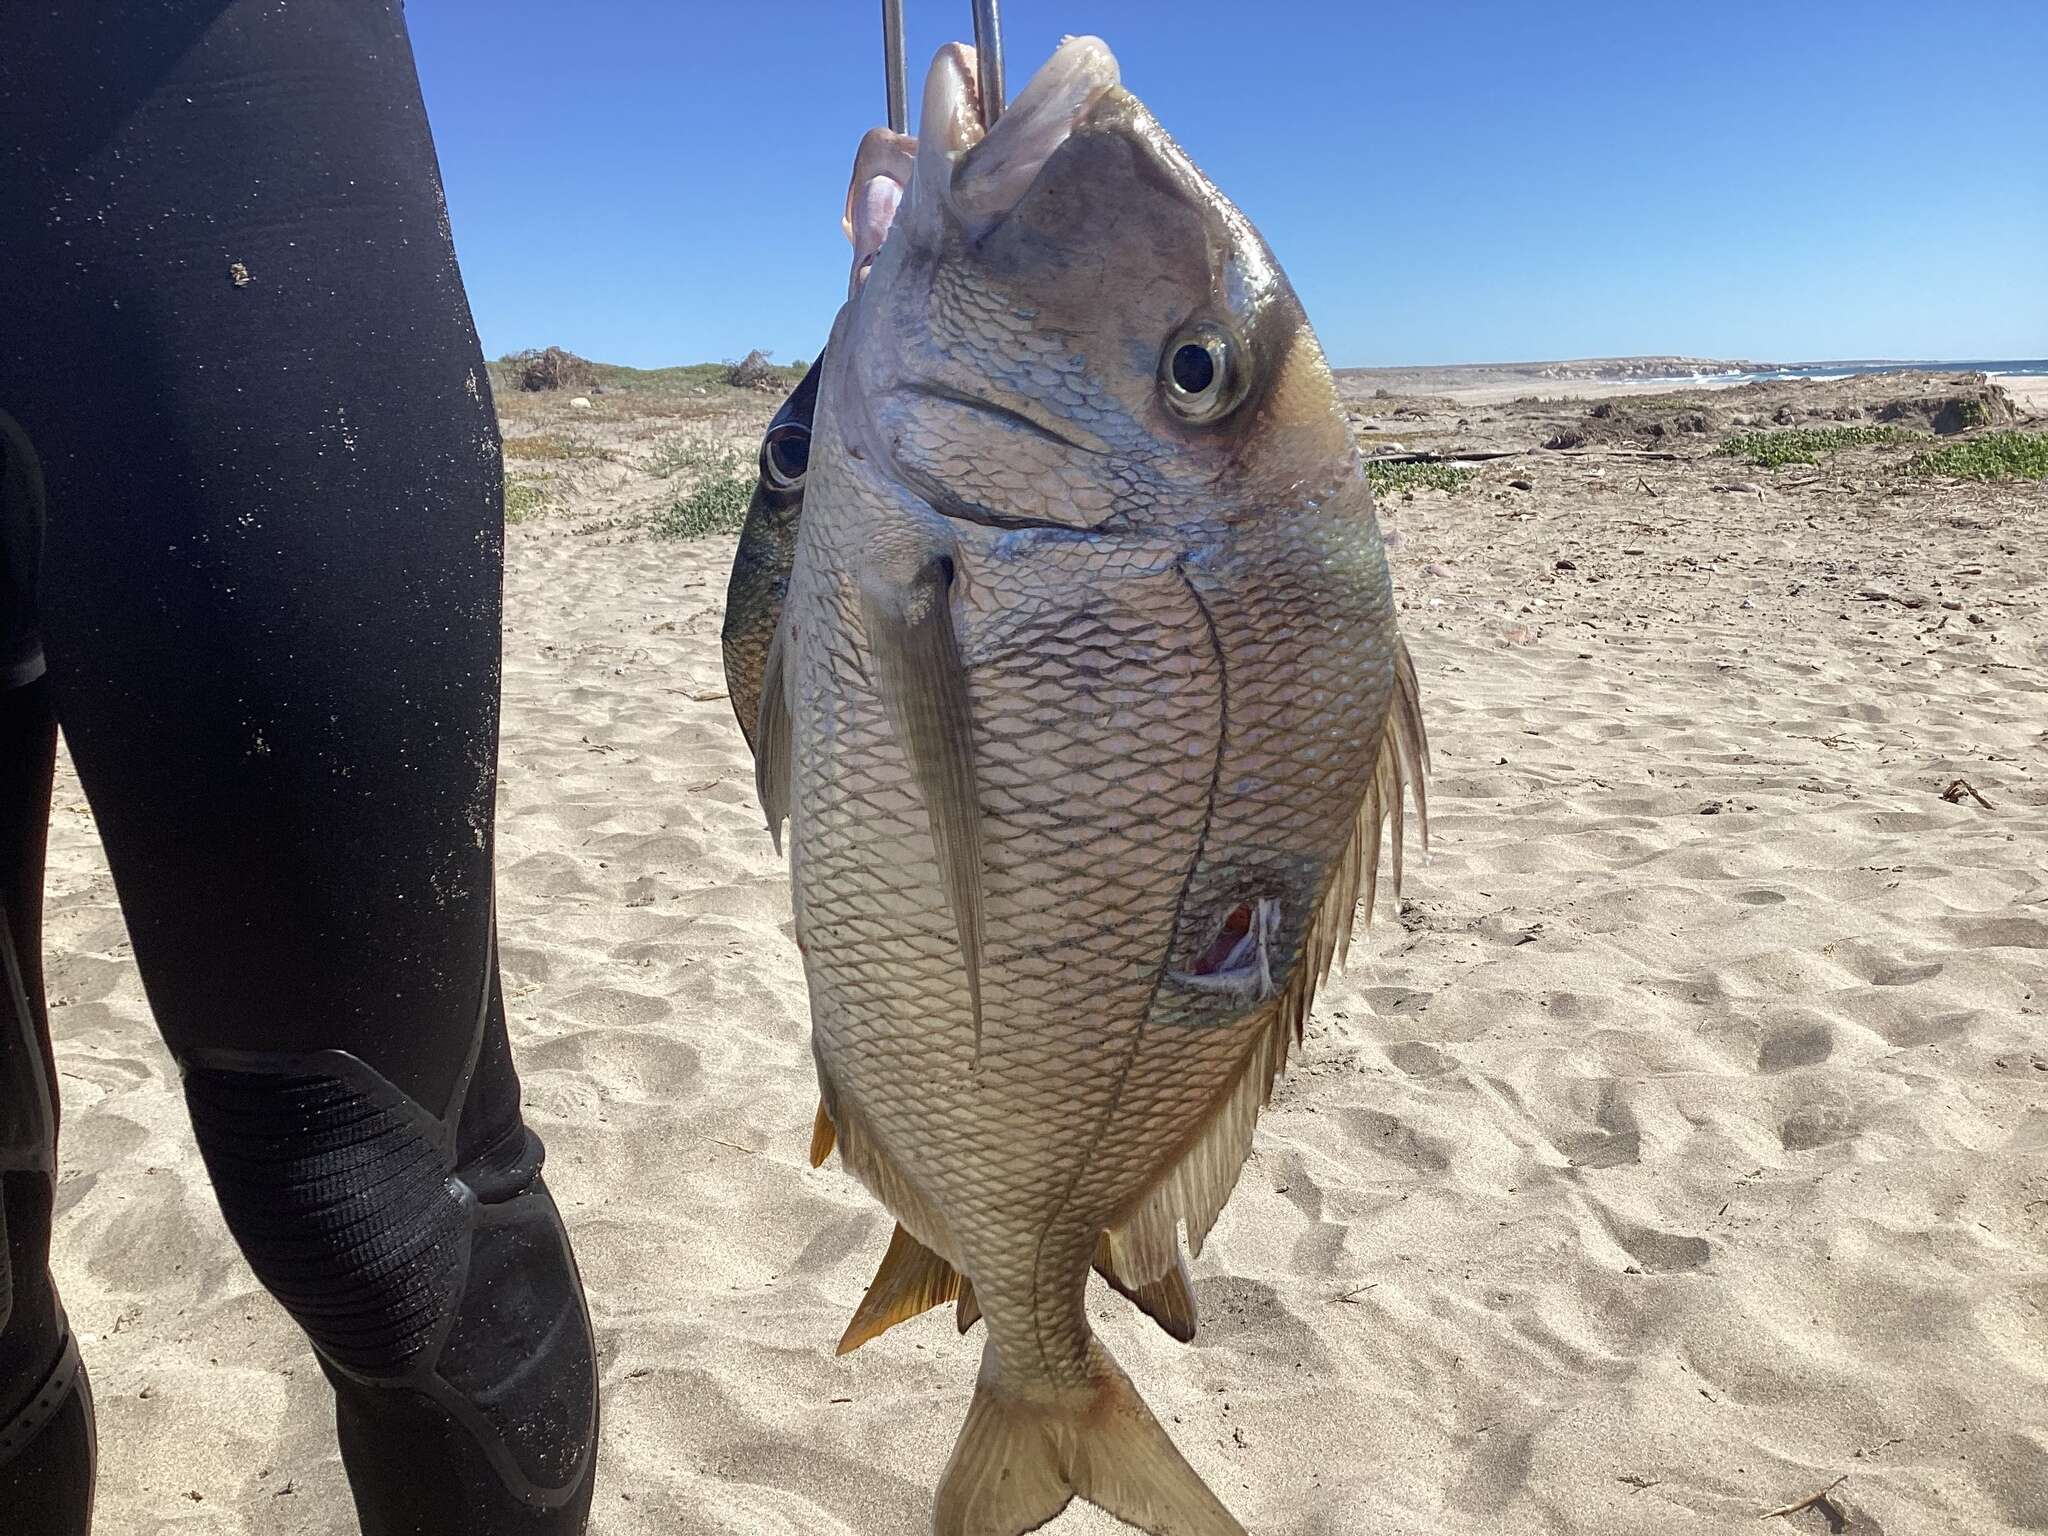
(250, 546)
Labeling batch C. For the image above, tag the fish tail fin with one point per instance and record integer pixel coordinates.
(1021, 1458)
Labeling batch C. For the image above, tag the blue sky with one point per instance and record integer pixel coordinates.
(652, 182)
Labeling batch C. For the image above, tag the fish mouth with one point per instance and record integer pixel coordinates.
(957, 164)
(984, 174)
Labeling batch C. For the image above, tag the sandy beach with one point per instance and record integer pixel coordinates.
(2028, 390)
(1675, 1152)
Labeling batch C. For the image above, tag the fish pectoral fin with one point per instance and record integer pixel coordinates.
(1020, 1459)
(1169, 1300)
(906, 601)
(911, 1281)
(772, 740)
(967, 1312)
(823, 1135)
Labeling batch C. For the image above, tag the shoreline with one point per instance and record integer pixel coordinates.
(1610, 378)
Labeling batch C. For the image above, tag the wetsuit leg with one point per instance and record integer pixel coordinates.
(46, 1432)
(236, 335)
(46, 1429)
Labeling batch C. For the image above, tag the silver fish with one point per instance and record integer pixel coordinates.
(1086, 710)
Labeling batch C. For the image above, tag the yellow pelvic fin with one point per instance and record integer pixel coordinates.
(911, 1281)
(823, 1135)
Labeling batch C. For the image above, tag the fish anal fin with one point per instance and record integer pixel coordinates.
(823, 1135)
(1020, 1460)
(967, 1311)
(911, 1281)
(1169, 1300)
(907, 609)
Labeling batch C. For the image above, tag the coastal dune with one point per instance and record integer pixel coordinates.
(1673, 1153)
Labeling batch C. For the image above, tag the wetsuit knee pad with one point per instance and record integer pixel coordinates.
(408, 1273)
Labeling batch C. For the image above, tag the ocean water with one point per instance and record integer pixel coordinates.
(2030, 367)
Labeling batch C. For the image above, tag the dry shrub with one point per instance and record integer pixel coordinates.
(753, 371)
(1637, 421)
(551, 368)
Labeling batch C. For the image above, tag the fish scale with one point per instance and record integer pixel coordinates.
(1101, 885)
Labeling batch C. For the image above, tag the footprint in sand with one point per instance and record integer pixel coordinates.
(1602, 1149)
(1237, 1312)
(1386, 1135)
(860, 1492)
(86, 978)
(2016, 1472)
(1805, 1044)
(1758, 898)
(1320, 1245)
(1498, 1471)
(1665, 1253)
(615, 1007)
(1612, 1141)
(1818, 1125)
(1416, 1058)
(2002, 933)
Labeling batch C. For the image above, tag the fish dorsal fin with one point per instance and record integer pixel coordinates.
(906, 603)
(772, 739)
(1148, 1245)
(823, 1135)
(911, 1281)
(1169, 1300)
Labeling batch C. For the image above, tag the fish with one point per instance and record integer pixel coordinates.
(910, 1280)
(766, 550)
(1085, 713)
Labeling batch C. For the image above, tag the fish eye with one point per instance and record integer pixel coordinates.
(786, 456)
(1199, 374)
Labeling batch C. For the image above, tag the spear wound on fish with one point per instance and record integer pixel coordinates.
(1239, 960)
(906, 604)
